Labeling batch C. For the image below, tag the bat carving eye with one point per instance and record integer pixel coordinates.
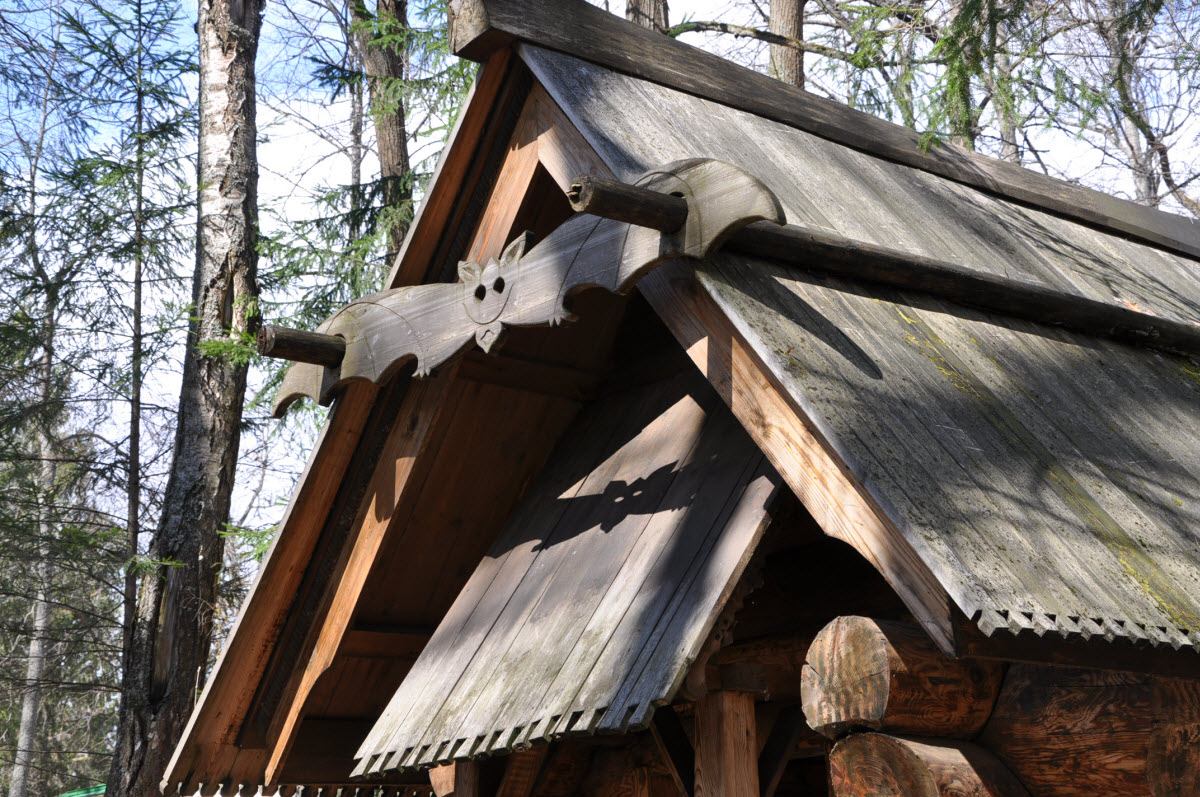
(480, 293)
(498, 285)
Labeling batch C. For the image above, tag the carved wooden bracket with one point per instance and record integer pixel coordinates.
(529, 286)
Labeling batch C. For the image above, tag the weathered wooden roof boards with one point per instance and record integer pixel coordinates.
(599, 592)
(537, 540)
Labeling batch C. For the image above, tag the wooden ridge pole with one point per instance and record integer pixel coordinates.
(821, 251)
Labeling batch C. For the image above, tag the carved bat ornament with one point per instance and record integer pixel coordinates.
(529, 286)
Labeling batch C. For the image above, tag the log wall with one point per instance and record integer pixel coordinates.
(1035, 730)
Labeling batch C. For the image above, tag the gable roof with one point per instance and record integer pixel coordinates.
(1035, 480)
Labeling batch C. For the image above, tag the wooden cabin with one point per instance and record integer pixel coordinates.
(715, 439)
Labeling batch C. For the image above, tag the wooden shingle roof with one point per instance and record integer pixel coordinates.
(596, 598)
(1048, 479)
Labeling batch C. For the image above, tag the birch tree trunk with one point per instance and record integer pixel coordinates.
(35, 662)
(173, 628)
(652, 14)
(35, 667)
(787, 19)
(31, 699)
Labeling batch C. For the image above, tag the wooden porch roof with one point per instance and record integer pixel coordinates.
(592, 604)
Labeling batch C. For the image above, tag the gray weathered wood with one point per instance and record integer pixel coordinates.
(817, 250)
(634, 125)
(430, 324)
(610, 199)
(1040, 474)
(482, 26)
(663, 496)
(300, 345)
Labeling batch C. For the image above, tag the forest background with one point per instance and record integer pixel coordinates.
(106, 323)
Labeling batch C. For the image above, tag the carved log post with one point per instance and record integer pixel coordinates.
(726, 745)
(879, 675)
(876, 765)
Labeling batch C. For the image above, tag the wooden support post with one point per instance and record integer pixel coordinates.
(300, 346)
(879, 675)
(876, 765)
(459, 779)
(726, 746)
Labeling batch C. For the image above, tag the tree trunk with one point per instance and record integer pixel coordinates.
(31, 699)
(1006, 111)
(652, 14)
(787, 63)
(35, 662)
(35, 667)
(357, 113)
(173, 628)
(384, 64)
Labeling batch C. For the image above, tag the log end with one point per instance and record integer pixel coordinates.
(877, 765)
(863, 674)
(846, 678)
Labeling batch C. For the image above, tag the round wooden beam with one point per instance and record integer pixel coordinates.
(610, 199)
(877, 675)
(876, 765)
(298, 345)
(813, 249)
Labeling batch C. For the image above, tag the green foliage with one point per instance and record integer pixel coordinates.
(94, 98)
(314, 265)
(256, 541)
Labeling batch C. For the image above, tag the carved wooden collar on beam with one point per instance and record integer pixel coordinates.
(432, 324)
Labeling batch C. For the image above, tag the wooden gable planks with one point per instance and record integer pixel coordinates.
(593, 540)
(558, 524)
(472, 615)
(641, 599)
(637, 554)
